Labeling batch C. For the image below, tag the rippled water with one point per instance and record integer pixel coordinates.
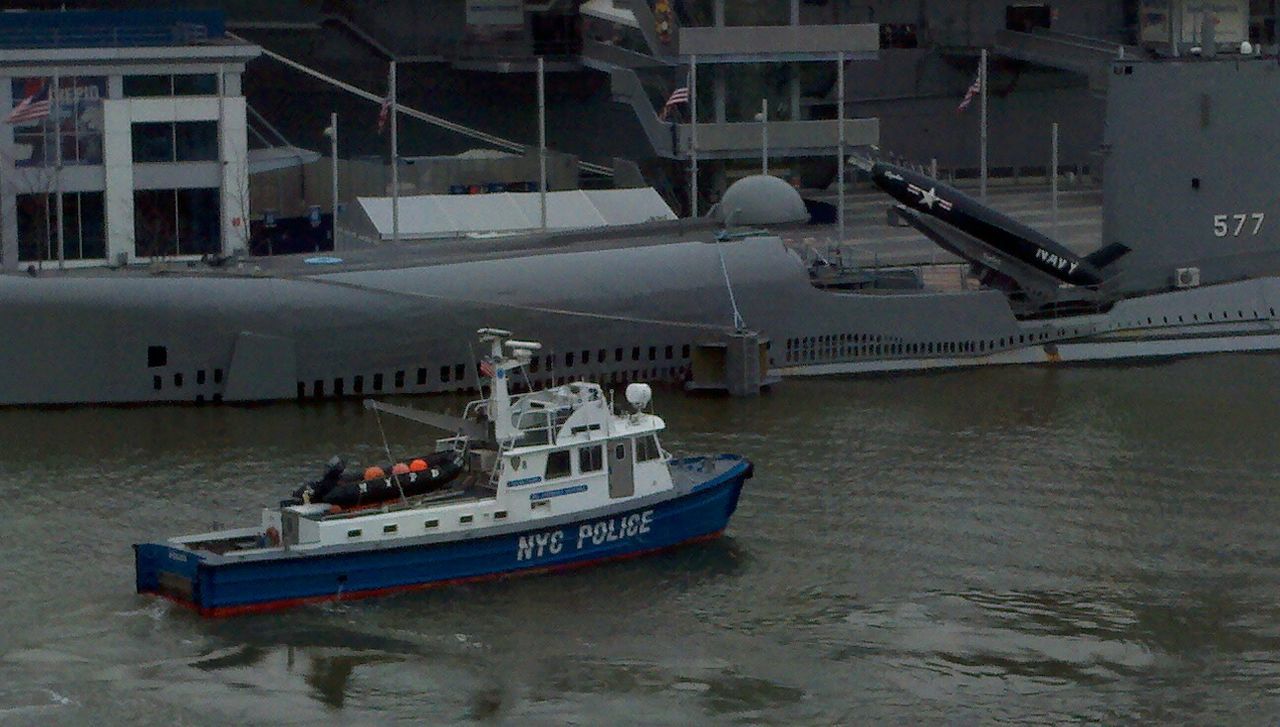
(1009, 545)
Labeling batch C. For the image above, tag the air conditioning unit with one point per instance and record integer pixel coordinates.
(1186, 278)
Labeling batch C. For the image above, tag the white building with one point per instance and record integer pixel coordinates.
(144, 138)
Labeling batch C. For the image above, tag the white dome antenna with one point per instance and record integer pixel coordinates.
(639, 395)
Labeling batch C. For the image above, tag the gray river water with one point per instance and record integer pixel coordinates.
(1027, 545)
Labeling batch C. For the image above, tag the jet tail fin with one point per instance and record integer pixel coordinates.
(1104, 256)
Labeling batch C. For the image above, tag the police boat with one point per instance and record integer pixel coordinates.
(547, 480)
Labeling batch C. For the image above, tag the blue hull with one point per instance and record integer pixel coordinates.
(225, 587)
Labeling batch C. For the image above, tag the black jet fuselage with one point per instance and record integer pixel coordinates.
(994, 230)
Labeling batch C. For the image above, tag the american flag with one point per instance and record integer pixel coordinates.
(678, 96)
(34, 105)
(974, 90)
(486, 370)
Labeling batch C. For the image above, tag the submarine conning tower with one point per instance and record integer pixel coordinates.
(1191, 156)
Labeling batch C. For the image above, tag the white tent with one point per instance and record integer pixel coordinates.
(458, 215)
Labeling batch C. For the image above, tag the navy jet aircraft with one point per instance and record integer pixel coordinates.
(997, 237)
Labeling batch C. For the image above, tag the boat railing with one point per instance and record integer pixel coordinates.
(476, 410)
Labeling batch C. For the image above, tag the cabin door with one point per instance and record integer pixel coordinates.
(622, 481)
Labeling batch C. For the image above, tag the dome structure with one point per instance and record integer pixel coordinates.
(762, 200)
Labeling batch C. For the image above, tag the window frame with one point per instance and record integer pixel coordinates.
(591, 458)
(548, 474)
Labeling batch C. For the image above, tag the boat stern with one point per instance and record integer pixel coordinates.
(164, 570)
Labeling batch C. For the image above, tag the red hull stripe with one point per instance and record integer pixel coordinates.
(268, 606)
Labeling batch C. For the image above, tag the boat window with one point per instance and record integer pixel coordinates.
(558, 465)
(459, 371)
(601, 355)
(617, 354)
(647, 448)
(358, 384)
(377, 382)
(387, 529)
(431, 524)
(684, 351)
(653, 353)
(354, 533)
(568, 360)
(500, 515)
(422, 377)
(635, 353)
(591, 459)
(399, 379)
(466, 519)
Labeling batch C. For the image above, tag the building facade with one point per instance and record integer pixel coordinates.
(123, 138)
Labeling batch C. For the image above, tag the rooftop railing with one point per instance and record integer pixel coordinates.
(103, 29)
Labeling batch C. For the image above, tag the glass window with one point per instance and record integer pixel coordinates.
(558, 464)
(590, 459)
(199, 221)
(183, 84)
(182, 141)
(195, 84)
(176, 222)
(83, 227)
(147, 86)
(35, 226)
(647, 448)
(152, 142)
(196, 141)
(73, 123)
(154, 223)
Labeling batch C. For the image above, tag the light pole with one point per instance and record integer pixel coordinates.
(763, 118)
(332, 133)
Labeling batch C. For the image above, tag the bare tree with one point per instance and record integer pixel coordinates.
(35, 187)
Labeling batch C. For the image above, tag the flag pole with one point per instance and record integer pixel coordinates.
(840, 147)
(333, 154)
(1054, 172)
(542, 139)
(56, 116)
(693, 134)
(983, 73)
(395, 161)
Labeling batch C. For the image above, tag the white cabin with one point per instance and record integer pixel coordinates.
(550, 452)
